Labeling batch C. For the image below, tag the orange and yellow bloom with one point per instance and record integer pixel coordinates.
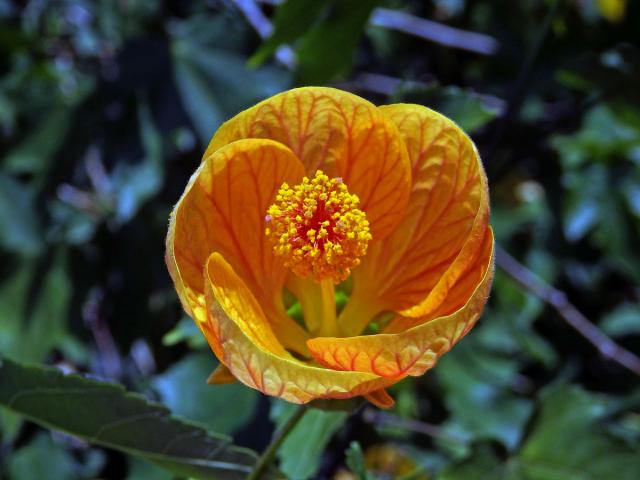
(316, 189)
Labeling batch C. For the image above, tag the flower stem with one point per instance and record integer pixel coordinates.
(267, 456)
(318, 305)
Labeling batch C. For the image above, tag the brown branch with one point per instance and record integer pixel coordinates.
(387, 85)
(558, 300)
(434, 31)
(381, 418)
(391, 20)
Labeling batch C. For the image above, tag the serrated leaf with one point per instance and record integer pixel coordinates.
(107, 415)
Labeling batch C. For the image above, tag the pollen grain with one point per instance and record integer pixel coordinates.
(317, 227)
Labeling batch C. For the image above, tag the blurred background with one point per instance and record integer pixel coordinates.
(105, 109)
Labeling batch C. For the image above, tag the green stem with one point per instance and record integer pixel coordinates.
(267, 456)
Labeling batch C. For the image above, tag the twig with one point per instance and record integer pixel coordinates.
(378, 417)
(109, 356)
(558, 300)
(382, 84)
(434, 31)
(384, 18)
(387, 85)
(267, 456)
(263, 26)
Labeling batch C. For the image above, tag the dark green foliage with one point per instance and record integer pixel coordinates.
(105, 414)
(105, 110)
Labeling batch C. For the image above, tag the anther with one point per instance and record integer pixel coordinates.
(317, 228)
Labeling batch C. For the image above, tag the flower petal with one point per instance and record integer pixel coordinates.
(221, 376)
(237, 326)
(412, 269)
(416, 350)
(341, 134)
(223, 209)
(381, 398)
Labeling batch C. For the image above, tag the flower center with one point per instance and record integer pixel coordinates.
(317, 228)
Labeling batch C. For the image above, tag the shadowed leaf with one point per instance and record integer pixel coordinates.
(107, 415)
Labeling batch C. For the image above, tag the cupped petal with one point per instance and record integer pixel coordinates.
(223, 209)
(381, 398)
(244, 341)
(341, 134)
(221, 376)
(412, 269)
(416, 350)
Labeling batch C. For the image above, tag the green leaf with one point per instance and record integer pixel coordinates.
(355, 461)
(137, 183)
(41, 459)
(31, 330)
(185, 331)
(215, 84)
(221, 408)
(482, 464)
(508, 322)
(105, 414)
(604, 133)
(301, 451)
(34, 153)
(477, 391)
(45, 458)
(292, 20)
(140, 470)
(326, 51)
(568, 441)
(624, 320)
(21, 232)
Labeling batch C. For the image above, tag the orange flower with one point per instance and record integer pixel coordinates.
(309, 188)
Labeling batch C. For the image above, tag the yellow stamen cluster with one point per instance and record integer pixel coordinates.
(317, 228)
